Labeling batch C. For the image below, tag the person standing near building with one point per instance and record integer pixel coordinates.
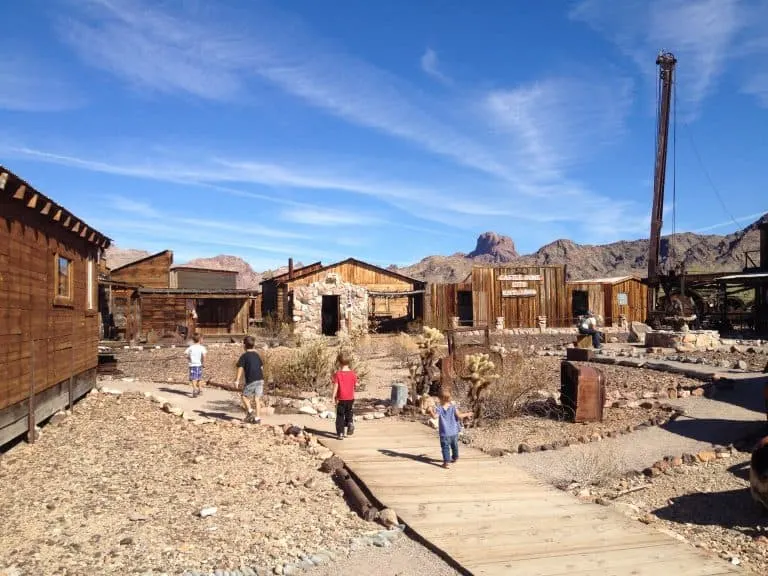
(588, 326)
(250, 369)
(195, 354)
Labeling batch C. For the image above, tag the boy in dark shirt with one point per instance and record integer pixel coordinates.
(250, 369)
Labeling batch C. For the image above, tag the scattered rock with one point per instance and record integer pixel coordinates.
(208, 511)
(387, 517)
(308, 410)
(706, 456)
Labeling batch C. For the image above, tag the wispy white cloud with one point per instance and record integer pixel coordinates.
(131, 206)
(520, 157)
(558, 122)
(27, 86)
(701, 33)
(153, 49)
(431, 66)
(317, 216)
(739, 220)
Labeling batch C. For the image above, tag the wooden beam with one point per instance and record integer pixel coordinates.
(20, 192)
(92, 237)
(47, 208)
(33, 201)
(68, 222)
(3, 180)
(76, 226)
(57, 216)
(84, 231)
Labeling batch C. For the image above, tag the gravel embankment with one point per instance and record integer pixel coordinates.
(119, 486)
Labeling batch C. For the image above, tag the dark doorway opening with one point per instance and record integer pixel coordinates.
(330, 315)
(464, 305)
(579, 303)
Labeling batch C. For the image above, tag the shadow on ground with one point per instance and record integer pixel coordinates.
(424, 459)
(715, 430)
(732, 509)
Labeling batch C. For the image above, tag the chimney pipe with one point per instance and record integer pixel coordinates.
(290, 268)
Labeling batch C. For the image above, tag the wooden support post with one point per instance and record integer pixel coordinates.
(31, 404)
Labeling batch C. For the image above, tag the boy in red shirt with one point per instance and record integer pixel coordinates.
(344, 384)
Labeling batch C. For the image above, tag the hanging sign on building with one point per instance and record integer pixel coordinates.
(519, 277)
(518, 284)
(622, 298)
(518, 292)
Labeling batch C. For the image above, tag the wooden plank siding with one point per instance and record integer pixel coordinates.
(635, 310)
(150, 272)
(202, 279)
(44, 340)
(550, 298)
(444, 304)
(604, 299)
(163, 314)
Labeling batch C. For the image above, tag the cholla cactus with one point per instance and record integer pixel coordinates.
(424, 372)
(480, 375)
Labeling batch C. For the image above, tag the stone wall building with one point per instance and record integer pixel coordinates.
(344, 297)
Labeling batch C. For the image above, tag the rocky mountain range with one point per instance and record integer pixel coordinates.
(699, 253)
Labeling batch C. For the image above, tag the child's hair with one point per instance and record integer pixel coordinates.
(196, 337)
(445, 394)
(343, 359)
(250, 342)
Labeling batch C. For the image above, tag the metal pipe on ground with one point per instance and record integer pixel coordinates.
(355, 497)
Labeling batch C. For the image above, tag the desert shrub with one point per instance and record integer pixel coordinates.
(595, 466)
(276, 332)
(403, 348)
(306, 368)
(506, 396)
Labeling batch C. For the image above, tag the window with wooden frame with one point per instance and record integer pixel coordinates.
(63, 280)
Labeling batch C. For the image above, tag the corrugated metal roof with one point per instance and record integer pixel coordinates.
(744, 276)
(612, 280)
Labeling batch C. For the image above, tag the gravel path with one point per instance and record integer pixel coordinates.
(404, 558)
(732, 415)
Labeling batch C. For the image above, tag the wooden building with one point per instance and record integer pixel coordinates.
(150, 299)
(195, 278)
(609, 298)
(347, 295)
(521, 295)
(49, 317)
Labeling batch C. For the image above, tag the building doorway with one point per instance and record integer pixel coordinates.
(464, 307)
(330, 315)
(579, 303)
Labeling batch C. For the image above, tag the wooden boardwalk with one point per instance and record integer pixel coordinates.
(492, 518)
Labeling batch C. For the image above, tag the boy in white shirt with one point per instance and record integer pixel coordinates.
(195, 353)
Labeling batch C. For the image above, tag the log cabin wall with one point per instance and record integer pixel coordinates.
(584, 297)
(150, 272)
(520, 295)
(274, 296)
(49, 320)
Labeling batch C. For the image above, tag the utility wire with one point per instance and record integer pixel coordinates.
(706, 173)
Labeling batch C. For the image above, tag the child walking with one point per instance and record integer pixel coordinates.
(195, 353)
(344, 384)
(251, 369)
(448, 418)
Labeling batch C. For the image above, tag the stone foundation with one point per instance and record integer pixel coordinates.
(308, 306)
(693, 339)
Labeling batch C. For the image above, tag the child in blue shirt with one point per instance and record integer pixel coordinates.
(448, 418)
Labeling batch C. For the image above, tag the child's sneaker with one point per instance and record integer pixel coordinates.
(341, 436)
(350, 430)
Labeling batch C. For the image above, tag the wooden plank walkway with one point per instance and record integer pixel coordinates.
(493, 518)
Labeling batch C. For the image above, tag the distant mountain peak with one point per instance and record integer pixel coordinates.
(493, 247)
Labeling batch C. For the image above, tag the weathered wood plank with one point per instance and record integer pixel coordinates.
(493, 518)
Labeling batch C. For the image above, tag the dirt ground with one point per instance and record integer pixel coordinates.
(119, 487)
(709, 505)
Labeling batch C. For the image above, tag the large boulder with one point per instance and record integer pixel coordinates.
(637, 332)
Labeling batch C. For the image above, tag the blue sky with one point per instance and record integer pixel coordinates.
(381, 130)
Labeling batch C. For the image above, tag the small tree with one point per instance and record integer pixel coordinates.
(480, 374)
